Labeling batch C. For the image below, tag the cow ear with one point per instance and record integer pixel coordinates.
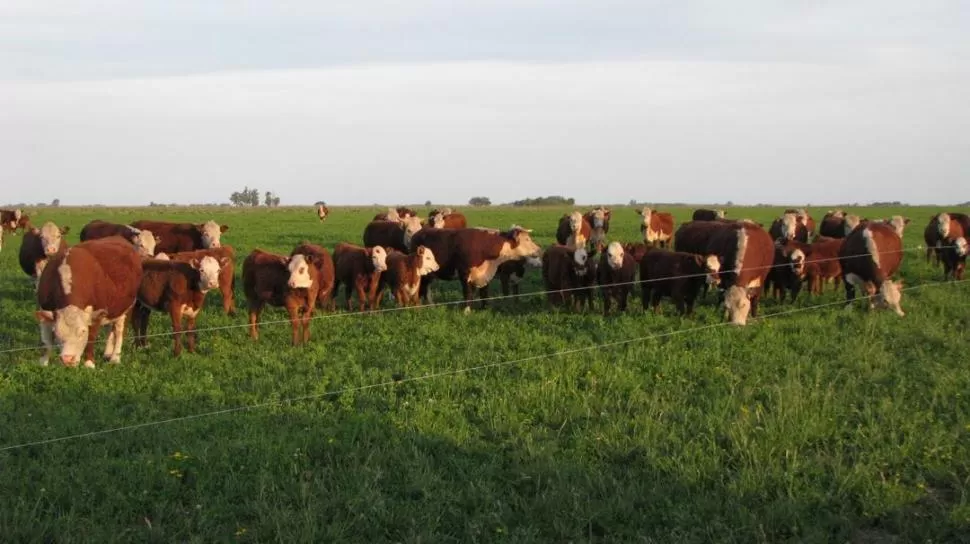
(224, 261)
(44, 316)
(699, 259)
(195, 263)
(308, 258)
(223, 228)
(158, 239)
(65, 230)
(906, 220)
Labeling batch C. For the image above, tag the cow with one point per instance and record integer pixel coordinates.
(746, 253)
(707, 215)
(395, 214)
(11, 220)
(511, 273)
(599, 220)
(838, 224)
(178, 288)
(321, 260)
(176, 237)
(788, 227)
(392, 234)
(821, 262)
(869, 257)
(574, 231)
(438, 219)
(897, 222)
(359, 268)
(953, 255)
(323, 212)
(804, 218)
(789, 269)
(88, 285)
(637, 250)
(226, 255)
(946, 225)
(278, 280)
(932, 239)
(404, 273)
(143, 240)
(568, 276)
(657, 227)
(473, 256)
(677, 275)
(39, 245)
(615, 275)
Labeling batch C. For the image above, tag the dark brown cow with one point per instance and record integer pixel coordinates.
(278, 280)
(176, 237)
(227, 271)
(599, 220)
(143, 240)
(746, 253)
(39, 245)
(439, 219)
(953, 255)
(946, 225)
(404, 273)
(657, 227)
(821, 262)
(177, 288)
(11, 220)
(615, 275)
(323, 262)
(694, 236)
(359, 268)
(568, 276)
(869, 257)
(323, 212)
(677, 275)
(89, 285)
(788, 272)
(837, 224)
(511, 273)
(788, 227)
(637, 250)
(392, 234)
(473, 256)
(707, 215)
(574, 231)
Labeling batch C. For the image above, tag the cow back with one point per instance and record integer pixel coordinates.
(385, 234)
(694, 236)
(104, 274)
(172, 237)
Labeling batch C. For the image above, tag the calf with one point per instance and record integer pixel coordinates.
(511, 273)
(615, 274)
(11, 220)
(788, 227)
(953, 255)
(944, 226)
(392, 234)
(707, 215)
(226, 255)
(326, 276)
(176, 237)
(404, 273)
(746, 254)
(39, 245)
(143, 240)
(869, 257)
(574, 231)
(637, 250)
(788, 270)
(599, 220)
(277, 280)
(440, 220)
(323, 212)
(677, 275)
(657, 227)
(568, 276)
(89, 285)
(821, 263)
(359, 268)
(473, 256)
(178, 288)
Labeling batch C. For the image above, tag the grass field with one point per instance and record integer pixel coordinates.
(819, 426)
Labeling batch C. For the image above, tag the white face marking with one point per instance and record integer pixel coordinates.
(378, 258)
(71, 326)
(17, 214)
(411, 227)
(720, 214)
(67, 279)
(211, 235)
(526, 247)
(50, 237)
(737, 305)
(392, 215)
(713, 267)
(961, 247)
(599, 218)
(321, 212)
(789, 225)
(438, 220)
(575, 221)
(299, 273)
(943, 225)
(898, 223)
(646, 213)
(851, 222)
(144, 242)
(890, 297)
(209, 273)
(428, 262)
(614, 255)
(797, 259)
(163, 257)
(580, 256)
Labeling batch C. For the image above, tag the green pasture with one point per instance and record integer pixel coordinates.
(824, 425)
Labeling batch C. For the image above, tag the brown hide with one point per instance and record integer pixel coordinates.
(693, 236)
(752, 271)
(265, 281)
(168, 286)
(564, 233)
(227, 272)
(704, 215)
(661, 228)
(402, 278)
(387, 234)
(174, 237)
(354, 268)
(673, 274)
(871, 267)
(565, 280)
(326, 273)
(32, 255)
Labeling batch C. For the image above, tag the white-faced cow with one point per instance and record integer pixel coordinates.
(321, 260)
(323, 212)
(657, 227)
(87, 286)
(404, 273)
(869, 257)
(599, 220)
(143, 240)
(568, 276)
(446, 219)
(176, 237)
(707, 215)
(392, 234)
(574, 231)
(359, 269)
(226, 255)
(788, 227)
(615, 274)
(39, 245)
(746, 253)
(677, 275)
(12, 220)
(278, 280)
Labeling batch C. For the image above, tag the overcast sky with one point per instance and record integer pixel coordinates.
(121, 102)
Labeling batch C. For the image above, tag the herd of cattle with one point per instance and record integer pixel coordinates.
(121, 272)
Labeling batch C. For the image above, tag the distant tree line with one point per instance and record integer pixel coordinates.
(250, 197)
(545, 201)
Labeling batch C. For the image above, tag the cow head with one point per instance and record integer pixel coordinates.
(850, 222)
(898, 223)
(209, 268)
(796, 260)
(72, 326)
(378, 258)
(523, 246)
(645, 214)
(960, 247)
(411, 226)
(889, 296)
(300, 268)
(436, 220)
(789, 226)
(211, 234)
(614, 255)
(636, 250)
(580, 261)
(600, 217)
(737, 305)
(50, 237)
(392, 215)
(943, 225)
(711, 266)
(428, 262)
(720, 213)
(404, 213)
(144, 241)
(575, 222)
(162, 257)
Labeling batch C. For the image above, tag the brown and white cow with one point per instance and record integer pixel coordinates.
(177, 288)
(473, 256)
(788, 227)
(227, 270)
(821, 262)
(615, 274)
(804, 218)
(281, 281)
(87, 286)
(568, 276)
(39, 245)
(11, 220)
(702, 214)
(143, 240)
(395, 214)
(869, 257)
(446, 219)
(392, 234)
(574, 231)
(599, 219)
(323, 212)
(360, 269)
(321, 260)
(657, 227)
(953, 255)
(176, 237)
(838, 224)
(677, 275)
(897, 222)
(946, 225)
(789, 270)
(404, 273)
(746, 253)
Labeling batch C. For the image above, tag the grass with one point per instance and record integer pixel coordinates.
(819, 426)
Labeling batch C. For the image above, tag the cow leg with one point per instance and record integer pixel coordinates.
(506, 288)
(47, 337)
(144, 314)
(645, 296)
(606, 300)
(294, 313)
(849, 293)
(483, 296)
(624, 297)
(466, 289)
(755, 299)
(255, 308)
(228, 302)
(175, 311)
(89, 347)
(118, 334)
(190, 331)
(361, 296)
(307, 316)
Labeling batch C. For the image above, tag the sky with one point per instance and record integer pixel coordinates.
(123, 103)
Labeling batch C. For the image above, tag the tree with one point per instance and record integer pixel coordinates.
(245, 197)
(271, 200)
(427, 203)
(479, 201)
(55, 203)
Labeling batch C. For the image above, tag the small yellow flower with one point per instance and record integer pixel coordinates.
(175, 472)
(179, 456)
(241, 531)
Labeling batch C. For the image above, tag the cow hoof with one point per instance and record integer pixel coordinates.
(115, 359)
(468, 310)
(89, 364)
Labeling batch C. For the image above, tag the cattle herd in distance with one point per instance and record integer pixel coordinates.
(169, 267)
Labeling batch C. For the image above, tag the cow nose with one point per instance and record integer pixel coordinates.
(291, 283)
(69, 360)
